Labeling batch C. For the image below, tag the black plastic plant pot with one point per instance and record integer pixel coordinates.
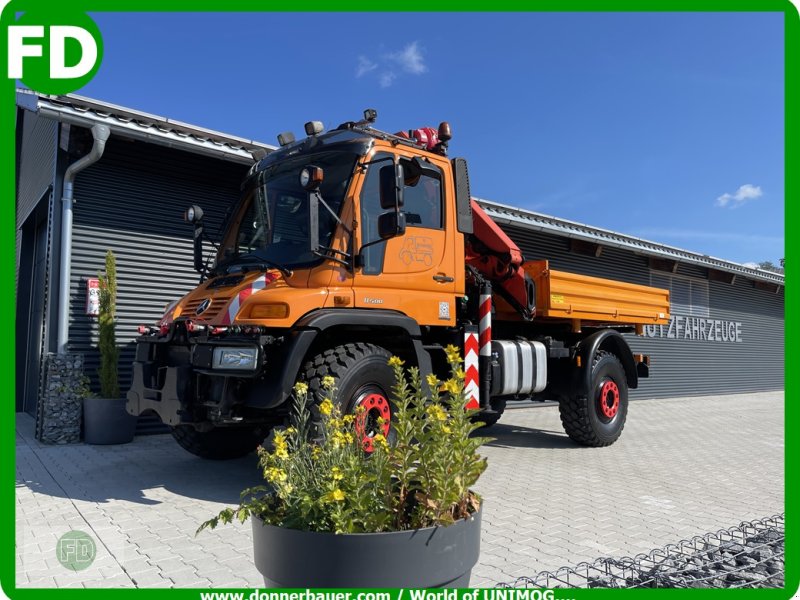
(423, 558)
(105, 421)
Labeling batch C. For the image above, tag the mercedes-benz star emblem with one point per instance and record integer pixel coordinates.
(203, 306)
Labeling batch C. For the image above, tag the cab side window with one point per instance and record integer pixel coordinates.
(423, 201)
(370, 210)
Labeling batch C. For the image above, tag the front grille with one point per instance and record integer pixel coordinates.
(217, 304)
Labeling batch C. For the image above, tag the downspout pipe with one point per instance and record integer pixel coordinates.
(100, 133)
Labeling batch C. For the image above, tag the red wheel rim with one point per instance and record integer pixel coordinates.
(367, 426)
(609, 399)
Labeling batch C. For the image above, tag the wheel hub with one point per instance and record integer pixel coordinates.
(376, 406)
(609, 399)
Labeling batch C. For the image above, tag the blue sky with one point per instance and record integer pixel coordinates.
(665, 126)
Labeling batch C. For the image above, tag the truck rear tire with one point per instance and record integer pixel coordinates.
(363, 377)
(221, 443)
(598, 420)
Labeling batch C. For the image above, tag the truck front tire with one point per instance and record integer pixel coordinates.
(221, 443)
(363, 377)
(597, 419)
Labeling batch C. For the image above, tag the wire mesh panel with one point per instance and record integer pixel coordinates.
(748, 556)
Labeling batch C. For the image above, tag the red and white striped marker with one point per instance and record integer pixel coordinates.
(259, 283)
(485, 316)
(471, 387)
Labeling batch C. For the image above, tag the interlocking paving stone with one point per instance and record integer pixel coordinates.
(683, 467)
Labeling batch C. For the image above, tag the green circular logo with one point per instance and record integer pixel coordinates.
(75, 550)
(54, 52)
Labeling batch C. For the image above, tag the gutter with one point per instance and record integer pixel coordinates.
(100, 133)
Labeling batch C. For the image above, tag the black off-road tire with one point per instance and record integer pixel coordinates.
(359, 369)
(584, 418)
(487, 419)
(222, 443)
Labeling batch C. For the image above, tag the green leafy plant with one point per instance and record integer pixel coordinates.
(109, 353)
(330, 483)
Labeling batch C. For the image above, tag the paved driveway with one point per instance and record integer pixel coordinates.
(683, 467)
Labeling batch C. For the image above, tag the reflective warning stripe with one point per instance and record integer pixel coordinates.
(259, 283)
(471, 388)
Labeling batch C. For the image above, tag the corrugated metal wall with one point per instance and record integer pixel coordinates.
(685, 364)
(132, 202)
(37, 162)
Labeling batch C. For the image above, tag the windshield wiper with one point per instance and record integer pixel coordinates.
(250, 259)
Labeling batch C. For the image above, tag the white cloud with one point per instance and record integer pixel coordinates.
(365, 65)
(391, 65)
(387, 78)
(410, 59)
(745, 193)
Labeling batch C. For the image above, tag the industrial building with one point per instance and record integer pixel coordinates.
(726, 334)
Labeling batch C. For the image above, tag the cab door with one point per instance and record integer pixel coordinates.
(414, 273)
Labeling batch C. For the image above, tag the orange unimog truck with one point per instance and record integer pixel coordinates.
(353, 245)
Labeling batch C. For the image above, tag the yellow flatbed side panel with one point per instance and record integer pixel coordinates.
(563, 295)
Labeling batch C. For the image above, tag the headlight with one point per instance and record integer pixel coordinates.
(235, 358)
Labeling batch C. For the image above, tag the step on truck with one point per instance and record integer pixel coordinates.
(353, 245)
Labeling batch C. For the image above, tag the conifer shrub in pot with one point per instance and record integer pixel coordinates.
(403, 514)
(105, 420)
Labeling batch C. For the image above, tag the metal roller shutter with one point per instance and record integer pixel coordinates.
(132, 202)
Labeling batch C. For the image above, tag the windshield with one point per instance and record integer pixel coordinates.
(271, 223)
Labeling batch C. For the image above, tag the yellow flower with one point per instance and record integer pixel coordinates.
(275, 475)
(337, 495)
(336, 473)
(316, 451)
(380, 420)
(290, 430)
(301, 388)
(348, 419)
(436, 413)
(360, 409)
(328, 382)
(326, 407)
(452, 386)
(395, 361)
(453, 353)
(446, 429)
(433, 381)
(459, 374)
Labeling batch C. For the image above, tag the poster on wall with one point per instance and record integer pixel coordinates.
(93, 297)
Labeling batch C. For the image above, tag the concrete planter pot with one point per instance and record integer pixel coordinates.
(105, 421)
(423, 558)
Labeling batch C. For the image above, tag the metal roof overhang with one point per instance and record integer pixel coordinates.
(510, 215)
(126, 123)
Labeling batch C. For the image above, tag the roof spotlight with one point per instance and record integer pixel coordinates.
(370, 115)
(314, 127)
(285, 138)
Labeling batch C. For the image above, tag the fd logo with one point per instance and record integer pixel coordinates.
(54, 53)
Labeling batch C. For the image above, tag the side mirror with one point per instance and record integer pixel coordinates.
(313, 221)
(391, 187)
(194, 215)
(391, 224)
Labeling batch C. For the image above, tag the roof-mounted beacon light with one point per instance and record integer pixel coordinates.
(444, 132)
(370, 115)
(314, 127)
(285, 138)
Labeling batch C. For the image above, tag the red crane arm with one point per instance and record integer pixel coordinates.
(499, 259)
